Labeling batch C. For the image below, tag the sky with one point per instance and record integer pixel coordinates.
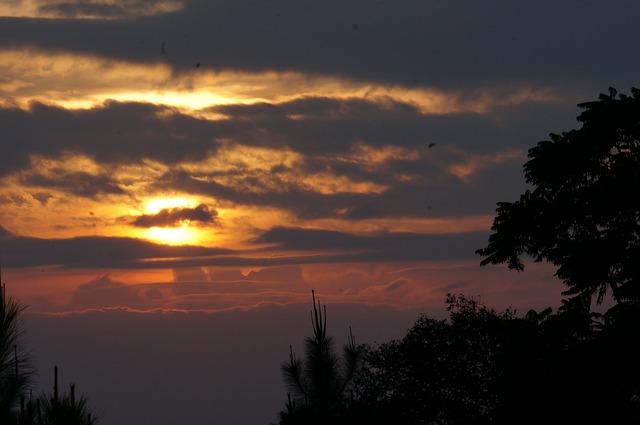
(176, 177)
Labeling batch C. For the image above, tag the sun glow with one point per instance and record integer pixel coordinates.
(183, 234)
(157, 204)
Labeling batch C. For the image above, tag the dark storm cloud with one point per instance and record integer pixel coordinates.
(112, 133)
(110, 252)
(326, 131)
(130, 132)
(380, 247)
(462, 43)
(171, 217)
(78, 183)
(307, 204)
(92, 252)
(430, 196)
(324, 125)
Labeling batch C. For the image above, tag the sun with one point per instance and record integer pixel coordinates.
(155, 205)
(181, 234)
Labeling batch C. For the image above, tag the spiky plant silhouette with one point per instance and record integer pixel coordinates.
(16, 369)
(65, 409)
(319, 384)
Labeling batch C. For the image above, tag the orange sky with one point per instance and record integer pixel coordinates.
(186, 157)
(113, 163)
(235, 188)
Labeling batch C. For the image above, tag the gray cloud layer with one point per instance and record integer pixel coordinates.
(466, 48)
(381, 247)
(113, 133)
(454, 43)
(112, 252)
(92, 252)
(324, 131)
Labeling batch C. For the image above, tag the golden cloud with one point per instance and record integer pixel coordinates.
(88, 9)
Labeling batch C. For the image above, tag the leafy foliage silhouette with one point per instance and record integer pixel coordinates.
(442, 371)
(583, 214)
(482, 366)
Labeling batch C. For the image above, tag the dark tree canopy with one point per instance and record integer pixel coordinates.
(583, 213)
(483, 366)
(441, 372)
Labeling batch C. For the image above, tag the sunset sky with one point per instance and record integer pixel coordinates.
(166, 164)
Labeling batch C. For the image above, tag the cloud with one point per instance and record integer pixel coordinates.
(194, 288)
(323, 125)
(81, 10)
(173, 217)
(401, 246)
(107, 9)
(190, 274)
(294, 244)
(397, 286)
(316, 157)
(111, 133)
(292, 275)
(88, 9)
(4, 233)
(105, 292)
(96, 252)
(401, 290)
(77, 183)
(464, 44)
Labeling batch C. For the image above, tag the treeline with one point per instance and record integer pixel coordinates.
(486, 367)
(18, 404)
(479, 366)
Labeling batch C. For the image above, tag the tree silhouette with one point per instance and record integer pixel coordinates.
(16, 369)
(442, 372)
(16, 377)
(319, 385)
(583, 214)
(482, 366)
(65, 409)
